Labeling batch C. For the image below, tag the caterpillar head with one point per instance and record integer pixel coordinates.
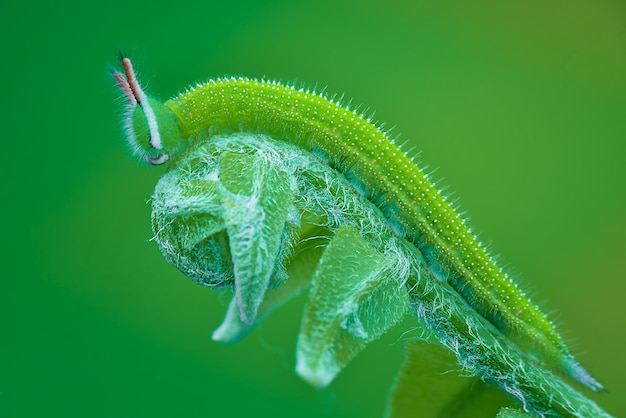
(152, 129)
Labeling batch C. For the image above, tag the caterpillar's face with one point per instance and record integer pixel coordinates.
(152, 131)
(151, 128)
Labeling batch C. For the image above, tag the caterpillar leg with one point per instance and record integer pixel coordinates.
(354, 298)
(255, 199)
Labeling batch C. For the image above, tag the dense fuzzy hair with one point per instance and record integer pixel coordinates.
(274, 189)
(264, 217)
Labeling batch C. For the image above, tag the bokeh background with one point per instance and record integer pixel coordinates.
(521, 106)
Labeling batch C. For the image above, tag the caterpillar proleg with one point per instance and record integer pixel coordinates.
(273, 190)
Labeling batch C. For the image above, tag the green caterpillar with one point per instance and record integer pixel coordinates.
(272, 189)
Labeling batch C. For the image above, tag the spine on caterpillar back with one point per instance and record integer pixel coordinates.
(412, 204)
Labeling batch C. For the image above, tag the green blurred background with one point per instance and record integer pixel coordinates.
(520, 105)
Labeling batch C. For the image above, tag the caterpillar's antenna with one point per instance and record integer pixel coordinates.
(122, 82)
(140, 96)
(129, 84)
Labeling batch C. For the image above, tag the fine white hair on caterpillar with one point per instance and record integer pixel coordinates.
(274, 190)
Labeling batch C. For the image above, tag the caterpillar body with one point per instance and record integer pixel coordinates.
(273, 189)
